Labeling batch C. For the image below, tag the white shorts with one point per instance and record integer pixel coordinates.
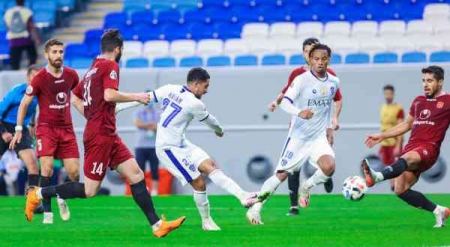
(297, 152)
(182, 162)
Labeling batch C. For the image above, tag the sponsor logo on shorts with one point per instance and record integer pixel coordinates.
(113, 75)
(29, 89)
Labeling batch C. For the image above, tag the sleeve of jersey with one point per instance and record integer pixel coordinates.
(291, 78)
(400, 114)
(76, 80)
(78, 91)
(5, 103)
(111, 77)
(337, 95)
(287, 104)
(159, 94)
(33, 89)
(412, 108)
(200, 113)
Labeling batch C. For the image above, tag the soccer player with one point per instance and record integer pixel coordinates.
(309, 101)
(428, 120)
(8, 117)
(55, 137)
(186, 161)
(96, 97)
(391, 114)
(294, 178)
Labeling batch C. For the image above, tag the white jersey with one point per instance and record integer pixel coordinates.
(309, 92)
(179, 108)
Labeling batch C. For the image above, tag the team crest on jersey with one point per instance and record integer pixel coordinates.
(324, 91)
(29, 89)
(332, 90)
(61, 98)
(314, 91)
(425, 114)
(440, 104)
(113, 75)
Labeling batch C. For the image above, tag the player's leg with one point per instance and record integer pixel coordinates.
(293, 185)
(71, 165)
(403, 184)
(29, 159)
(44, 181)
(218, 177)
(154, 169)
(202, 204)
(131, 171)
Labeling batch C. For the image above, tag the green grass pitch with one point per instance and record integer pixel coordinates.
(377, 220)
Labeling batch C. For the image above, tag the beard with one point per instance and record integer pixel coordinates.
(118, 57)
(56, 63)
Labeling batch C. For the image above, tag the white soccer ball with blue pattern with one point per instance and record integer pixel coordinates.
(354, 188)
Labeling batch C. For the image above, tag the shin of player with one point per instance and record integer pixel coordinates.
(95, 98)
(182, 104)
(309, 101)
(428, 114)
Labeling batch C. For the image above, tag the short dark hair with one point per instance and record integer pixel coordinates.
(111, 39)
(33, 67)
(320, 47)
(389, 87)
(437, 71)
(310, 41)
(197, 74)
(52, 42)
(20, 2)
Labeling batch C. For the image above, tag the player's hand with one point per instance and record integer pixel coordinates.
(306, 114)
(330, 136)
(219, 133)
(272, 106)
(373, 140)
(6, 136)
(143, 98)
(16, 139)
(335, 123)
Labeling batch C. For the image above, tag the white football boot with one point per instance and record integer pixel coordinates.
(63, 209)
(209, 225)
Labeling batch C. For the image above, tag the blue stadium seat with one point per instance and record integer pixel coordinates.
(193, 61)
(246, 60)
(163, 5)
(128, 33)
(199, 15)
(164, 62)
(76, 51)
(175, 31)
(351, 12)
(216, 61)
(93, 35)
(146, 32)
(336, 58)
(169, 16)
(115, 20)
(94, 49)
(80, 63)
(131, 6)
(273, 59)
(324, 12)
(2, 26)
(357, 58)
(216, 15)
(414, 57)
(228, 30)
(440, 56)
(66, 5)
(44, 5)
(385, 57)
(214, 3)
(137, 63)
(271, 15)
(297, 60)
(183, 6)
(201, 31)
(297, 13)
(44, 19)
(240, 3)
(143, 17)
(4, 50)
(245, 14)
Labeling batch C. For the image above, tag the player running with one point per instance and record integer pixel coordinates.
(9, 107)
(55, 136)
(428, 120)
(294, 178)
(309, 100)
(96, 97)
(181, 104)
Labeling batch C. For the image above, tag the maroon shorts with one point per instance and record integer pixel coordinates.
(58, 142)
(386, 154)
(428, 153)
(102, 152)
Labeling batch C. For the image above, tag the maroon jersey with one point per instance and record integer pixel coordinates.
(53, 96)
(300, 70)
(431, 119)
(100, 114)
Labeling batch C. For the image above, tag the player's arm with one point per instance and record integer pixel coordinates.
(395, 131)
(399, 141)
(200, 113)
(287, 103)
(273, 105)
(22, 112)
(77, 103)
(337, 110)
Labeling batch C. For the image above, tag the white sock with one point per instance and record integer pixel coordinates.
(202, 203)
(156, 225)
(258, 206)
(223, 181)
(317, 178)
(39, 193)
(270, 185)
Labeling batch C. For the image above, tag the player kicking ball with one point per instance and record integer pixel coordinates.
(95, 98)
(309, 101)
(186, 161)
(428, 120)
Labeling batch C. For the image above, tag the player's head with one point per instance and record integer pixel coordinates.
(112, 43)
(54, 52)
(20, 2)
(307, 45)
(31, 72)
(389, 92)
(198, 81)
(319, 56)
(432, 80)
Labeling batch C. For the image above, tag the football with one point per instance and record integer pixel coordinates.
(354, 188)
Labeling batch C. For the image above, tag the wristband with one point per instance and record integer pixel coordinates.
(18, 128)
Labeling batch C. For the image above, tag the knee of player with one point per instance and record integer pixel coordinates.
(328, 168)
(399, 190)
(46, 171)
(199, 184)
(90, 192)
(74, 176)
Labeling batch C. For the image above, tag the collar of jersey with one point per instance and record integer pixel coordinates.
(322, 80)
(187, 89)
